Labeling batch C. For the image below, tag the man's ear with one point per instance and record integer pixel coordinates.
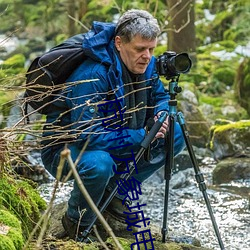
(118, 43)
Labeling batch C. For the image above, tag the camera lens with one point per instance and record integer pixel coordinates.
(182, 63)
(171, 64)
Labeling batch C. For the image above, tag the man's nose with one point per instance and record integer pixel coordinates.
(146, 54)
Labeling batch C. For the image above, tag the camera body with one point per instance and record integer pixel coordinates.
(171, 65)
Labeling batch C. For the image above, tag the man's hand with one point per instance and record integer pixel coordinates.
(164, 128)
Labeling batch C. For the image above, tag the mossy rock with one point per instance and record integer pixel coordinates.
(22, 200)
(11, 237)
(219, 107)
(197, 125)
(232, 139)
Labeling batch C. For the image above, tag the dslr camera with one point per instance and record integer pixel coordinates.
(171, 65)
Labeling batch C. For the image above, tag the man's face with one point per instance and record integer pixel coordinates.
(137, 53)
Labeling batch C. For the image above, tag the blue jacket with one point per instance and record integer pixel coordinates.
(103, 69)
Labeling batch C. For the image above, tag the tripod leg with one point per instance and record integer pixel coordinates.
(168, 172)
(199, 176)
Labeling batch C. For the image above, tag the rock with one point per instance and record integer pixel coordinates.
(197, 125)
(231, 169)
(181, 179)
(232, 139)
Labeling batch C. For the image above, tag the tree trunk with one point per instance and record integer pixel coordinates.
(181, 27)
(83, 7)
(71, 6)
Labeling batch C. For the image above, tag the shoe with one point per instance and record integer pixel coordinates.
(115, 209)
(74, 231)
(120, 221)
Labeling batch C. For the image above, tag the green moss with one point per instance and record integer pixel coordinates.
(212, 100)
(9, 219)
(6, 243)
(235, 125)
(16, 237)
(125, 243)
(13, 238)
(21, 199)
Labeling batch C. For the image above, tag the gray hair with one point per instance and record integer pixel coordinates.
(137, 22)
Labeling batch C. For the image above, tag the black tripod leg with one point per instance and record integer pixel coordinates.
(168, 172)
(199, 176)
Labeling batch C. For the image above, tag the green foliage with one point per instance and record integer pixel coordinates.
(229, 23)
(12, 67)
(17, 61)
(224, 75)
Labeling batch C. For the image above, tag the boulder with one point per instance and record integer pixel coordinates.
(197, 125)
(231, 169)
(231, 139)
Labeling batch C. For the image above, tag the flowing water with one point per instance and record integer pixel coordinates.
(187, 212)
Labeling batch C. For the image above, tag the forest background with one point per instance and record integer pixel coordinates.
(214, 33)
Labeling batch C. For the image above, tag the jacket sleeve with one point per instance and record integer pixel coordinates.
(88, 120)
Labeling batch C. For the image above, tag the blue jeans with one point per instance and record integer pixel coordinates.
(96, 169)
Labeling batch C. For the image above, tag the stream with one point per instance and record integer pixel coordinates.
(187, 212)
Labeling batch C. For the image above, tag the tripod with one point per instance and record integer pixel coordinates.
(173, 114)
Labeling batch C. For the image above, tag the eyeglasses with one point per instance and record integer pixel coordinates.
(124, 24)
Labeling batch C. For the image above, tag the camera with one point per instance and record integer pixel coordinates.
(171, 65)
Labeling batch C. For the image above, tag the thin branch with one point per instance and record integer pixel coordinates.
(66, 154)
(77, 21)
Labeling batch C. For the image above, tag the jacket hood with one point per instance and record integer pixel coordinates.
(98, 43)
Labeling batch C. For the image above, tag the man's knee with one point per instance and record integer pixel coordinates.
(96, 164)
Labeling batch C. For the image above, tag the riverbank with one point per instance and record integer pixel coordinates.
(188, 216)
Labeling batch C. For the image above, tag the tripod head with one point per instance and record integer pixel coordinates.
(174, 89)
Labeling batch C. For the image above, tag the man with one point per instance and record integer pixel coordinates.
(108, 114)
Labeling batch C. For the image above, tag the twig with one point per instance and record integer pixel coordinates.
(99, 238)
(66, 154)
(77, 21)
